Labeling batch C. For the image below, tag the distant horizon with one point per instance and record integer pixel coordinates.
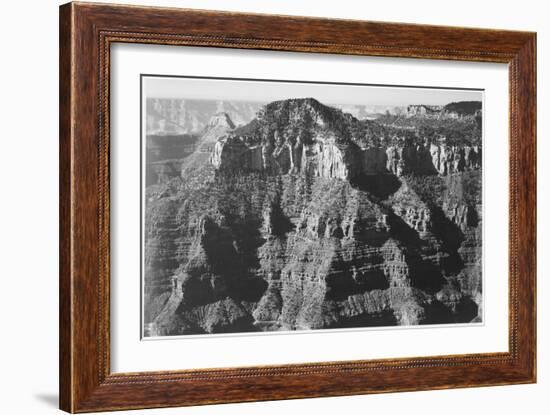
(322, 102)
(266, 91)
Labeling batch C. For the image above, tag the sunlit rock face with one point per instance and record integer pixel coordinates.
(433, 159)
(455, 159)
(327, 143)
(307, 218)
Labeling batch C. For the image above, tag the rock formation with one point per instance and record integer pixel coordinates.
(453, 110)
(424, 110)
(307, 218)
(324, 143)
(217, 126)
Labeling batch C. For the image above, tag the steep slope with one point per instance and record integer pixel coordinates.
(218, 125)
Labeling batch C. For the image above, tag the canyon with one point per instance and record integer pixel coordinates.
(309, 218)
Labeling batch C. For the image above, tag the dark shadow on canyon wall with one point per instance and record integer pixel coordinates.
(379, 185)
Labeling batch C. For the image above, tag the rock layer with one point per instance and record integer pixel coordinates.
(326, 158)
(297, 226)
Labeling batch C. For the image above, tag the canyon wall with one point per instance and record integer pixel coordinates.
(294, 223)
(327, 159)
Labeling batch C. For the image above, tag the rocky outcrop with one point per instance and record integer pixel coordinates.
(409, 159)
(218, 125)
(455, 159)
(412, 210)
(329, 159)
(289, 233)
(424, 110)
(336, 162)
(396, 268)
(172, 156)
(325, 158)
(454, 110)
(432, 159)
(290, 137)
(463, 109)
(231, 154)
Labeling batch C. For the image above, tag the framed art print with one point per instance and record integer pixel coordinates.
(261, 207)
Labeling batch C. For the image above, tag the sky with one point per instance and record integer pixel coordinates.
(267, 91)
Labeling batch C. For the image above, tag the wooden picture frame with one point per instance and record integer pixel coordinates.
(86, 33)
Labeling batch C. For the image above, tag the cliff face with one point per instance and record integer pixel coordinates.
(324, 142)
(291, 137)
(302, 225)
(327, 158)
(434, 158)
(324, 158)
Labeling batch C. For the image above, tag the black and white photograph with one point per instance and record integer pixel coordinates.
(275, 207)
(283, 206)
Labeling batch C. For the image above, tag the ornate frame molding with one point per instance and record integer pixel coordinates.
(86, 34)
